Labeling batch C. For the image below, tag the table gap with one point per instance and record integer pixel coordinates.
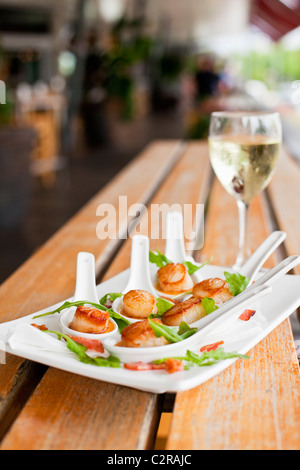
(169, 398)
(283, 253)
(27, 378)
(33, 372)
(179, 152)
(274, 224)
(168, 406)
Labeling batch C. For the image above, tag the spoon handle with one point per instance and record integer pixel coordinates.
(258, 289)
(257, 259)
(275, 273)
(231, 307)
(139, 273)
(85, 278)
(175, 246)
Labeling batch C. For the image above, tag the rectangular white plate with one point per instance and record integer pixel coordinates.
(238, 335)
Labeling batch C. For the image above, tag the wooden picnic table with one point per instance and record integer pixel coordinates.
(250, 405)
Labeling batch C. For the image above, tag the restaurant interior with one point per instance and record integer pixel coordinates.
(87, 84)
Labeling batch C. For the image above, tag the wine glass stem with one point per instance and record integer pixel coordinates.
(243, 252)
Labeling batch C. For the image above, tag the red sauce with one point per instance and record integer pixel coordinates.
(110, 327)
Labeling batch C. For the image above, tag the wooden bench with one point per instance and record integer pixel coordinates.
(250, 405)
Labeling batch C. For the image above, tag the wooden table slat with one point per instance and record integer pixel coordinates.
(189, 179)
(284, 194)
(253, 404)
(49, 275)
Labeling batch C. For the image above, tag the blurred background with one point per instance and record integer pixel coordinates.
(86, 84)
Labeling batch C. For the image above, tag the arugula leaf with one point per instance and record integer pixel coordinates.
(68, 304)
(170, 333)
(159, 259)
(162, 306)
(208, 358)
(110, 361)
(209, 305)
(72, 345)
(111, 296)
(120, 321)
(80, 352)
(236, 282)
(192, 268)
(185, 330)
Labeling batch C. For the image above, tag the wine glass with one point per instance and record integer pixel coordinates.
(244, 149)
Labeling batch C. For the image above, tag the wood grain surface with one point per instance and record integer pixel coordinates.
(48, 276)
(284, 194)
(253, 405)
(138, 416)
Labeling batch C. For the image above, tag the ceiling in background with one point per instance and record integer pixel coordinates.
(173, 21)
(194, 20)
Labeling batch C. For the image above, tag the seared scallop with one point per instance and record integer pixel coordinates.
(141, 335)
(214, 288)
(90, 320)
(174, 278)
(189, 311)
(139, 304)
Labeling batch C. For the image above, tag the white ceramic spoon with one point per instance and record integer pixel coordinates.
(259, 286)
(275, 273)
(139, 273)
(149, 354)
(232, 307)
(85, 290)
(258, 258)
(175, 245)
(261, 254)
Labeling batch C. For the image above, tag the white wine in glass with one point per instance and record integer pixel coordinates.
(244, 149)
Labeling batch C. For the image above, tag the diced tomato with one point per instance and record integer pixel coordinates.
(92, 344)
(210, 347)
(138, 365)
(40, 327)
(247, 314)
(160, 366)
(174, 365)
(170, 365)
